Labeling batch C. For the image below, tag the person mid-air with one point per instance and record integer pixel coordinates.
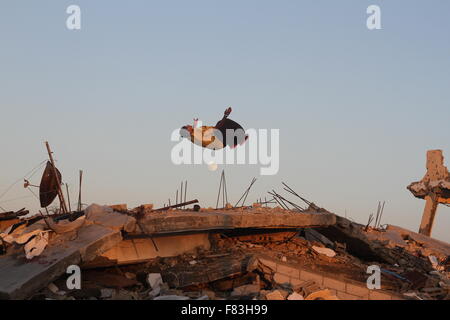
(226, 132)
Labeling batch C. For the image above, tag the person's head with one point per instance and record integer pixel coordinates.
(186, 131)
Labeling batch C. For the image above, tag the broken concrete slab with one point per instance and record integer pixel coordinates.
(434, 188)
(19, 277)
(106, 216)
(185, 221)
(413, 242)
(431, 245)
(64, 226)
(130, 251)
(360, 245)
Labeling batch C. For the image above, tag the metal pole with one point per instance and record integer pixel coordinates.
(225, 185)
(79, 191)
(218, 195)
(185, 192)
(223, 189)
(68, 197)
(178, 205)
(181, 193)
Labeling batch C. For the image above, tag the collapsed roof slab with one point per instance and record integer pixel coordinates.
(19, 277)
(178, 221)
(427, 245)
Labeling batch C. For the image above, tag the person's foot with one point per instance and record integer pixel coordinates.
(227, 112)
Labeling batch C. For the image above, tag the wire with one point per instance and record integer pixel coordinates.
(18, 198)
(34, 194)
(32, 172)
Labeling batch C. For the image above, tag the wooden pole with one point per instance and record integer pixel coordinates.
(60, 193)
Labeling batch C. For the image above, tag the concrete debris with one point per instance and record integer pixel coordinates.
(106, 293)
(325, 251)
(130, 275)
(65, 225)
(321, 295)
(434, 262)
(125, 295)
(412, 295)
(246, 290)
(154, 292)
(275, 295)
(22, 233)
(434, 188)
(36, 245)
(256, 252)
(53, 288)
(171, 297)
(107, 217)
(295, 296)
(154, 280)
(27, 276)
(119, 207)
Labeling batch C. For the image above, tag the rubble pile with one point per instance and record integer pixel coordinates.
(240, 261)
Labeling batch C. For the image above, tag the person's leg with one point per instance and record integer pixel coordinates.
(227, 112)
(225, 116)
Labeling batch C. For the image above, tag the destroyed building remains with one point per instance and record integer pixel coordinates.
(269, 250)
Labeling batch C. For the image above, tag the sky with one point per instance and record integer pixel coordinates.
(356, 109)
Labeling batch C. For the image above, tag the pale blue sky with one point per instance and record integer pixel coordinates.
(356, 109)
